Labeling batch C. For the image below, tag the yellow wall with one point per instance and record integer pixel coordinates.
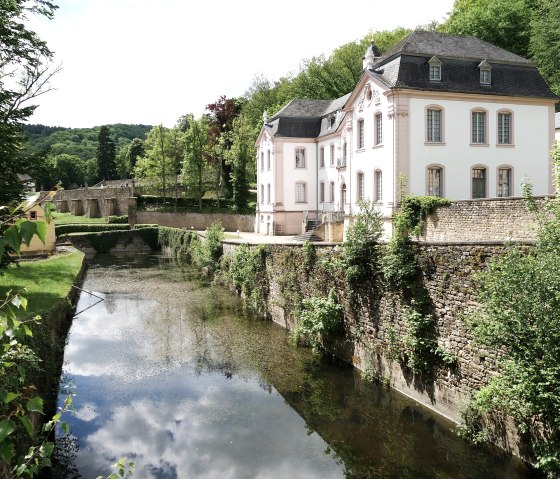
(36, 244)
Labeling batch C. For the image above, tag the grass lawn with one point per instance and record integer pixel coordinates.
(69, 218)
(46, 280)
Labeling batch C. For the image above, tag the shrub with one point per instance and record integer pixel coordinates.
(320, 320)
(88, 228)
(117, 219)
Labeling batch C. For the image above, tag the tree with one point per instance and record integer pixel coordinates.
(194, 165)
(545, 41)
(241, 157)
(24, 66)
(505, 23)
(106, 154)
(220, 121)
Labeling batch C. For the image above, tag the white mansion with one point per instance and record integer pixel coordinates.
(457, 116)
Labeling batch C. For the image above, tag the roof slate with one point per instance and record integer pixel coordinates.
(451, 46)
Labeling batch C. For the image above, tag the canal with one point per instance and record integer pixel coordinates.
(169, 372)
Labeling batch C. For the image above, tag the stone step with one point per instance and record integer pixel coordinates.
(307, 236)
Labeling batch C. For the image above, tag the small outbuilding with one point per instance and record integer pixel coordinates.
(34, 211)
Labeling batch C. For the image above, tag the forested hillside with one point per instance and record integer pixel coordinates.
(80, 142)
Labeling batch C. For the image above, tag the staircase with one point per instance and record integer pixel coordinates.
(309, 234)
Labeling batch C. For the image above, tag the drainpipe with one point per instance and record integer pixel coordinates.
(317, 180)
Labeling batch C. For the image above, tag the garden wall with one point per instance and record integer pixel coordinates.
(497, 219)
(197, 221)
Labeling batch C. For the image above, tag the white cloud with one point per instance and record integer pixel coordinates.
(139, 61)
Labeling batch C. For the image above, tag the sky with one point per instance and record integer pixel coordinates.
(150, 62)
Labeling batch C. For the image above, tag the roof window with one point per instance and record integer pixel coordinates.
(485, 73)
(435, 69)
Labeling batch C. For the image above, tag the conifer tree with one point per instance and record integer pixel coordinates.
(106, 154)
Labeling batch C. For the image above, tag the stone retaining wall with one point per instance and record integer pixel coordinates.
(499, 219)
(371, 317)
(94, 202)
(197, 221)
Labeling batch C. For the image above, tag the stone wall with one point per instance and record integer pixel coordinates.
(499, 219)
(197, 221)
(374, 314)
(94, 202)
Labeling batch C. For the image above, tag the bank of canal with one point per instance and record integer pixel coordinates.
(171, 374)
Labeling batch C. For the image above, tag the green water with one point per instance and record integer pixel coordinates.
(170, 373)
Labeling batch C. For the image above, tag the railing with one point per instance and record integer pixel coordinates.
(341, 163)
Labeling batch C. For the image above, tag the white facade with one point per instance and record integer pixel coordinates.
(444, 143)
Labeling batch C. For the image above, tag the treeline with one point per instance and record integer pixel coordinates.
(214, 155)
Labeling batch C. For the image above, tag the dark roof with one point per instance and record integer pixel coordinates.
(305, 118)
(451, 46)
(406, 66)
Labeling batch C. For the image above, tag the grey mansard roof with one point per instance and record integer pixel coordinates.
(405, 65)
(305, 118)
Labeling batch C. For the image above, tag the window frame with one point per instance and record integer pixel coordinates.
(262, 160)
(378, 185)
(378, 129)
(434, 65)
(440, 110)
(302, 184)
(510, 179)
(322, 157)
(360, 134)
(332, 188)
(262, 193)
(322, 192)
(360, 186)
(303, 150)
(268, 160)
(434, 167)
(479, 167)
(332, 159)
(484, 112)
(485, 73)
(499, 128)
(268, 194)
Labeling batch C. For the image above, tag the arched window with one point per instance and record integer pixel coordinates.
(485, 73)
(378, 186)
(479, 127)
(435, 69)
(378, 123)
(505, 127)
(434, 180)
(343, 194)
(361, 186)
(262, 194)
(268, 193)
(360, 134)
(505, 183)
(479, 182)
(322, 192)
(434, 124)
(331, 192)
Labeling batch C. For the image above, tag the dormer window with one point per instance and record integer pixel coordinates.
(485, 73)
(435, 69)
(332, 120)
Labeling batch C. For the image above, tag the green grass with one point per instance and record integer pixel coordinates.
(46, 280)
(69, 218)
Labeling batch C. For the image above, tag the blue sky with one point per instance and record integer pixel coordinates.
(140, 61)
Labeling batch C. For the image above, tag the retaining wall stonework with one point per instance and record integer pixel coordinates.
(197, 221)
(499, 219)
(371, 316)
(108, 201)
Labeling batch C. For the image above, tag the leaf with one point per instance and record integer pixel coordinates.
(65, 427)
(27, 425)
(2, 247)
(27, 230)
(42, 229)
(7, 426)
(12, 238)
(35, 405)
(7, 451)
(7, 397)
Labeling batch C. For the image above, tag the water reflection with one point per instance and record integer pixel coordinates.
(171, 375)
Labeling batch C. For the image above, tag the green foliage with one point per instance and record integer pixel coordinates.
(247, 272)
(207, 253)
(178, 241)
(519, 316)
(194, 165)
(413, 213)
(505, 23)
(361, 250)
(106, 154)
(69, 218)
(320, 320)
(88, 228)
(117, 219)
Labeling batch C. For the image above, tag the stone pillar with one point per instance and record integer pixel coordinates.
(76, 207)
(132, 209)
(93, 208)
(62, 206)
(110, 206)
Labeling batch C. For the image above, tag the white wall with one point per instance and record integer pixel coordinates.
(528, 156)
(293, 175)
